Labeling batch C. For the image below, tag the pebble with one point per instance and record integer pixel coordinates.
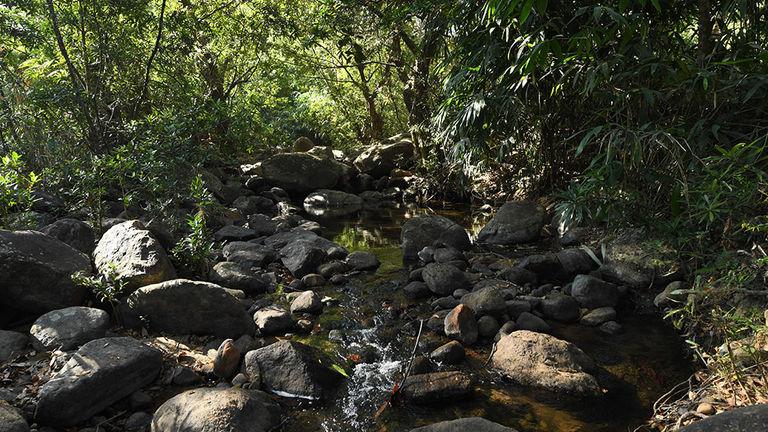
(705, 408)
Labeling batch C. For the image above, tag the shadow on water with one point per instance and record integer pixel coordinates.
(379, 327)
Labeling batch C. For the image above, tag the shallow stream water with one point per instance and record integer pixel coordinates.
(379, 327)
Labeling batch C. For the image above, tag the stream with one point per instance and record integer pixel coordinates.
(376, 328)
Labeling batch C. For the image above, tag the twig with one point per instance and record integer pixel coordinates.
(413, 357)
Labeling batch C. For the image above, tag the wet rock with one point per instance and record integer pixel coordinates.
(436, 387)
(273, 320)
(11, 420)
(746, 419)
(593, 293)
(12, 344)
(131, 253)
(73, 232)
(598, 316)
(230, 233)
(474, 424)
(517, 307)
(292, 369)
(421, 365)
(68, 328)
(611, 328)
(450, 353)
(102, 372)
(460, 324)
(227, 360)
(542, 361)
(313, 280)
(560, 307)
(362, 260)
(487, 326)
(529, 321)
(36, 270)
(380, 159)
(301, 172)
(217, 409)
(444, 279)
(249, 254)
(423, 231)
(307, 302)
(183, 307)
(416, 290)
(237, 276)
(337, 201)
(302, 257)
(514, 223)
(486, 301)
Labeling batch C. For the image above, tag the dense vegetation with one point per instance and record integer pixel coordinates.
(648, 113)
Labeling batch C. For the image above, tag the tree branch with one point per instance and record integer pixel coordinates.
(74, 75)
(145, 86)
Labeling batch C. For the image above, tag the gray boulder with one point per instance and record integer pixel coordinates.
(100, 373)
(380, 159)
(486, 301)
(363, 260)
(184, 307)
(530, 322)
(450, 353)
(746, 419)
(273, 321)
(73, 232)
(514, 223)
(36, 272)
(444, 279)
(11, 344)
(332, 202)
(249, 254)
(422, 231)
(301, 172)
(217, 409)
(593, 293)
(238, 276)
(543, 361)
(435, 387)
(134, 255)
(473, 424)
(11, 420)
(68, 328)
(292, 369)
(306, 302)
(560, 307)
(598, 316)
(302, 257)
(232, 233)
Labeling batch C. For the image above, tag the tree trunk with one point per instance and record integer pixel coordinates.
(705, 30)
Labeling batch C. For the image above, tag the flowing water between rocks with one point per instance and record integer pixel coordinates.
(377, 329)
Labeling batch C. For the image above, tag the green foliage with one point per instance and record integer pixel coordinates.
(16, 186)
(106, 288)
(193, 255)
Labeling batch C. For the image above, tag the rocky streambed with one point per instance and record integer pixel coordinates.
(310, 317)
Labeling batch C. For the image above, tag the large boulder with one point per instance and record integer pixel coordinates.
(185, 307)
(543, 361)
(36, 272)
(514, 223)
(560, 307)
(273, 320)
(486, 301)
(102, 372)
(238, 276)
(363, 260)
(68, 328)
(423, 231)
(249, 254)
(380, 159)
(746, 419)
(217, 409)
(436, 387)
(473, 424)
(133, 254)
(301, 172)
(73, 232)
(444, 279)
(293, 369)
(332, 202)
(302, 257)
(593, 293)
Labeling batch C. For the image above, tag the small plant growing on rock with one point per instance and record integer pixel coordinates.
(107, 288)
(194, 253)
